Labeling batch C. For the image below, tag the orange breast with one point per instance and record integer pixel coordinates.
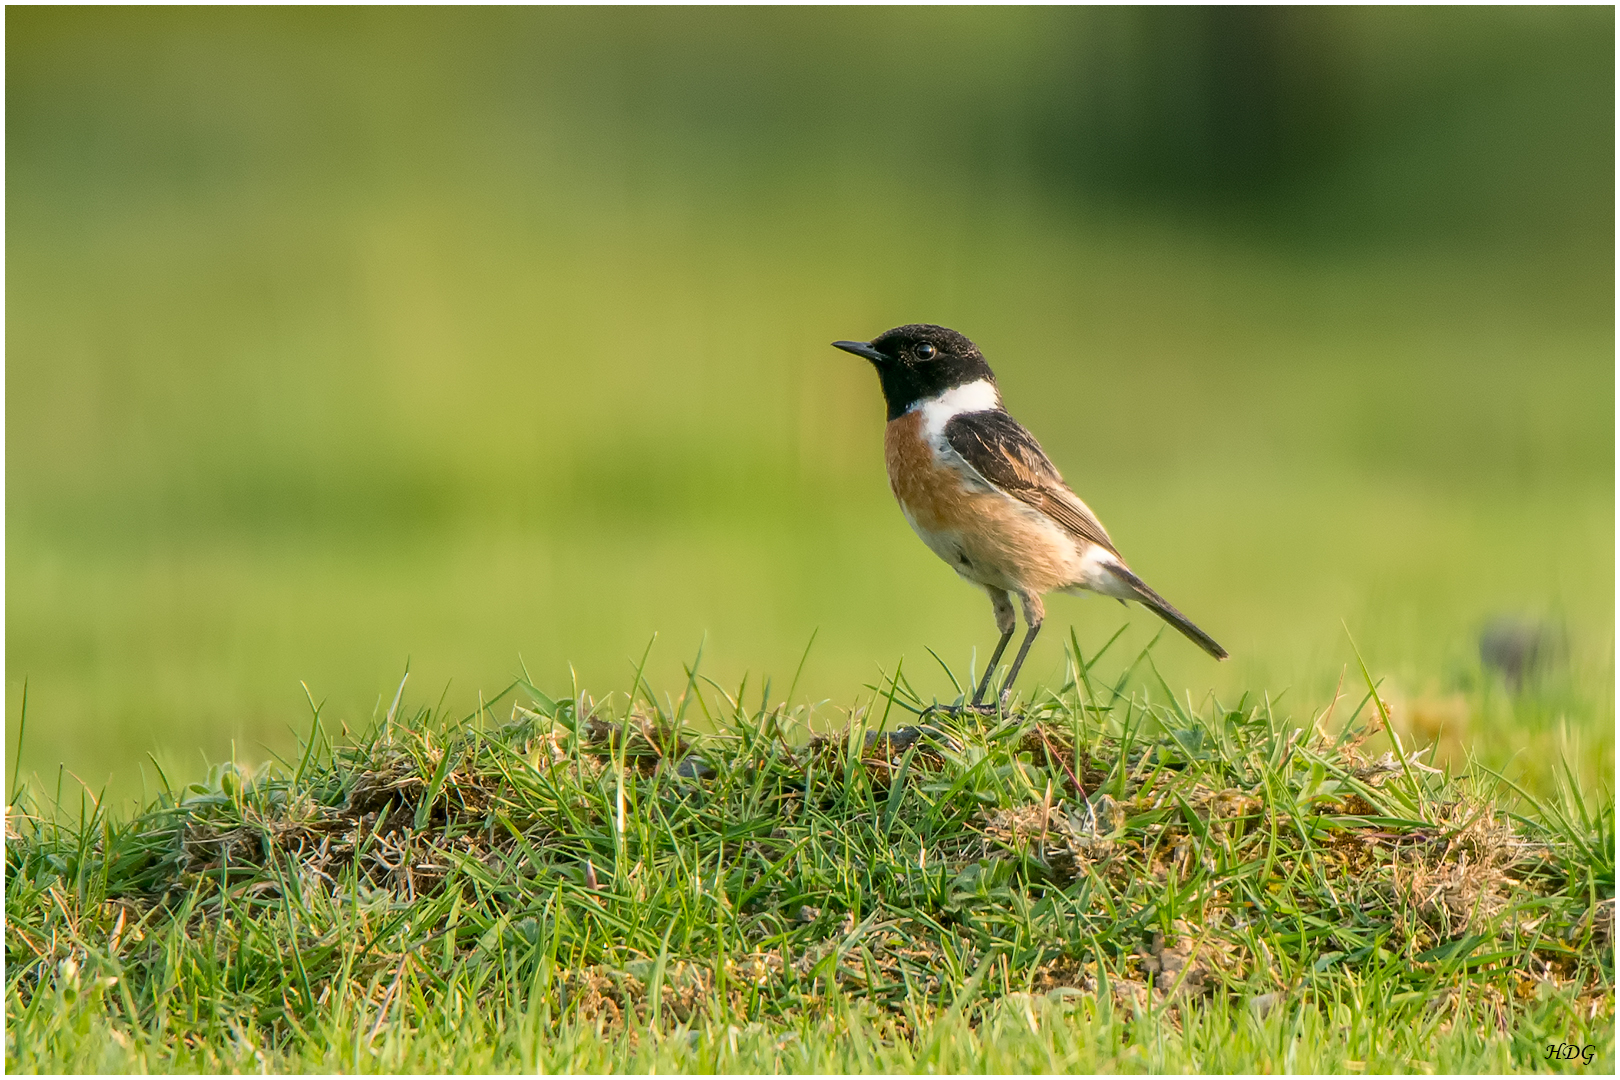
(986, 536)
(930, 492)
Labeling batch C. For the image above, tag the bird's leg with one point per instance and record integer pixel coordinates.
(1034, 615)
(989, 672)
(1006, 622)
(1018, 661)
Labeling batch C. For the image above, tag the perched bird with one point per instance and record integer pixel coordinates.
(982, 495)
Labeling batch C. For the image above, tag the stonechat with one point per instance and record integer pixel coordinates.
(983, 495)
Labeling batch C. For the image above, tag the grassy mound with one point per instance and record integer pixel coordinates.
(1096, 880)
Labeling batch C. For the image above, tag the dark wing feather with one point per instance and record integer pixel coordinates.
(999, 449)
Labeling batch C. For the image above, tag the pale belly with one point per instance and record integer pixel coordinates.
(1004, 545)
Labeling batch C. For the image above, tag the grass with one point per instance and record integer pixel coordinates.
(1099, 878)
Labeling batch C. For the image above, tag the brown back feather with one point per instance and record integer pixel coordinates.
(1007, 456)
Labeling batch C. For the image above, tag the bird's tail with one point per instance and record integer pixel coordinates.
(1166, 611)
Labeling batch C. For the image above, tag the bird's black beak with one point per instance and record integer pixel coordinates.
(861, 348)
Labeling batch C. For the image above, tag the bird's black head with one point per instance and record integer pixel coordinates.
(920, 361)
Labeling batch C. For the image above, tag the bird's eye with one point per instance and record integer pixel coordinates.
(924, 351)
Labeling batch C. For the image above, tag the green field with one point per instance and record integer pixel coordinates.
(338, 341)
(491, 342)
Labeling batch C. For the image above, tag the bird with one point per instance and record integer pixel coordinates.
(982, 494)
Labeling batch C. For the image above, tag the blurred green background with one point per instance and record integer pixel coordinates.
(342, 337)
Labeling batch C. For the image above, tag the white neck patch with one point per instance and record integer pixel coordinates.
(978, 396)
